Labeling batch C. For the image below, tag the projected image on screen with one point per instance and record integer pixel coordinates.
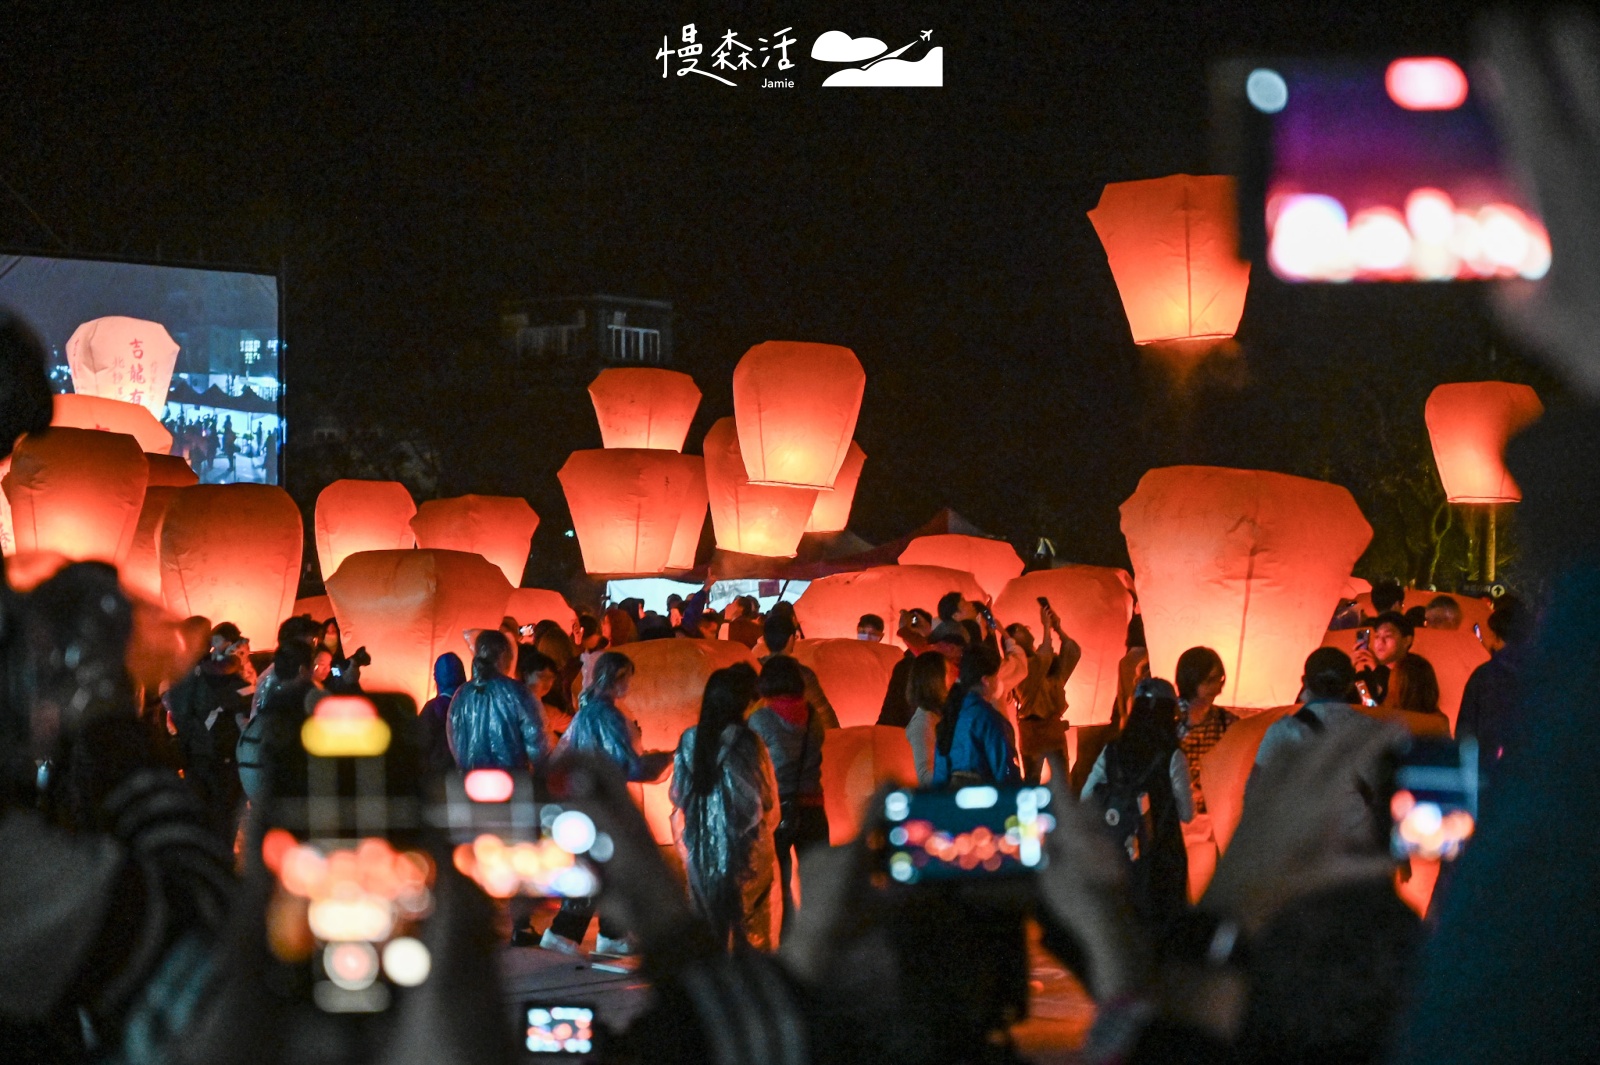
(197, 349)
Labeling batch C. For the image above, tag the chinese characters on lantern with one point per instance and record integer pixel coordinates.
(732, 55)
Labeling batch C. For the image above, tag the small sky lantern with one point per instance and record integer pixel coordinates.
(992, 562)
(796, 406)
(533, 605)
(831, 606)
(854, 673)
(112, 416)
(692, 518)
(1094, 605)
(344, 726)
(76, 492)
(356, 516)
(832, 512)
(1173, 245)
(855, 763)
(409, 607)
(627, 505)
(751, 518)
(500, 528)
(126, 359)
(231, 552)
(644, 407)
(1248, 563)
(1470, 424)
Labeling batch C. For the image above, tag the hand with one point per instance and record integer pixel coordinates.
(1363, 660)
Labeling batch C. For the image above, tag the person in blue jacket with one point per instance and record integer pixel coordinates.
(974, 742)
(493, 722)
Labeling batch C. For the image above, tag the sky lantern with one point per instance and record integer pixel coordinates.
(796, 406)
(1470, 424)
(627, 505)
(831, 606)
(644, 406)
(141, 569)
(1248, 563)
(533, 605)
(855, 763)
(113, 416)
(692, 518)
(231, 552)
(8, 538)
(1173, 245)
(127, 359)
(318, 606)
(754, 519)
(854, 674)
(409, 607)
(354, 515)
(500, 528)
(170, 471)
(832, 512)
(1094, 605)
(76, 492)
(992, 562)
(161, 649)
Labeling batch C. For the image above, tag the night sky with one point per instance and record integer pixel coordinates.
(408, 175)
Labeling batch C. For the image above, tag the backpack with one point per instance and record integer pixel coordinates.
(1125, 799)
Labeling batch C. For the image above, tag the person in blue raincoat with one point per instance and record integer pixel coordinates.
(494, 722)
(448, 676)
(974, 743)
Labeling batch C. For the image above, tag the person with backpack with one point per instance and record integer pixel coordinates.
(794, 734)
(1140, 783)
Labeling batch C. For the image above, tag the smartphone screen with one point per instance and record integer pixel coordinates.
(968, 833)
(556, 1029)
(511, 845)
(1374, 170)
(1435, 801)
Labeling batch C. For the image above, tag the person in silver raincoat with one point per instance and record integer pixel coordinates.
(725, 800)
(494, 722)
(599, 727)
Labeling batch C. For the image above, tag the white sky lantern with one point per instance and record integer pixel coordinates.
(128, 359)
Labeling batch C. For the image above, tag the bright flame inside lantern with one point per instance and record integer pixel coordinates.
(1429, 84)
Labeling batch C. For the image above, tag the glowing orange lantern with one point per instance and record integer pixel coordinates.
(231, 552)
(533, 605)
(161, 649)
(1469, 425)
(645, 407)
(76, 492)
(796, 405)
(1094, 605)
(126, 359)
(1173, 245)
(832, 512)
(8, 538)
(627, 505)
(755, 519)
(1248, 563)
(1474, 611)
(500, 528)
(170, 471)
(409, 607)
(141, 569)
(992, 562)
(317, 606)
(831, 606)
(855, 763)
(356, 516)
(853, 673)
(692, 519)
(27, 570)
(112, 416)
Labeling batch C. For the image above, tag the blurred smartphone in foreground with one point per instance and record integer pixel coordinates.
(1435, 802)
(969, 833)
(564, 1029)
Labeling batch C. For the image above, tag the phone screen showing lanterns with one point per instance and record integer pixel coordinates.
(1435, 800)
(509, 845)
(559, 1029)
(979, 831)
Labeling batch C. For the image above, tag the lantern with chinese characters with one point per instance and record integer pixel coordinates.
(1248, 563)
(644, 407)
(831, 606)
(1173, 245)
(754, 519)
(832, 512)
(1094, 605)
(1470, 424)
(126, 359)
(231, 552)
(409, 607)
(500, 528)
(691, 519)
(533, 605)
(356, 516)
(796, 406)
(112, 416)
(627, 505)
(76, 492)
(992, 562)
(853, 673)
(856, 762)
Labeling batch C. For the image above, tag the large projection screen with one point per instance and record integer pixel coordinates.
(224, 405)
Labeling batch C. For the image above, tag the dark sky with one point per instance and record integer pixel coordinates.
(409, 173)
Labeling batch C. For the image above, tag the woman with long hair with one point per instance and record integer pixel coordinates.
(1414, 687)
(492, 721)
(927, 688)
(725, 798)
(974, 743)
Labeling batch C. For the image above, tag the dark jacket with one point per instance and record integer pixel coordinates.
(1489, 705)
(448, 675)
(794, 736)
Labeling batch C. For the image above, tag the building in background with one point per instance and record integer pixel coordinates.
(572, 338)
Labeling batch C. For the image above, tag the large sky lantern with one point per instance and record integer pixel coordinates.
(127, 359)
(231, 552)
(354, 515)
(1094, 605)
(832, 512)
(1246, 562)
(75, 411)
(796, 405)
(533, 605)
(1173, 246)
(318, 606)
(855, 763)
(751, 518)
(76, 492)
(992, 562)
(1470, 424)
(141, 568)
(644, 407)
(831, 606)
(627, 505)
(500, 528)
(170, 471)
(409, 607)
(692, 518)
(853, 673)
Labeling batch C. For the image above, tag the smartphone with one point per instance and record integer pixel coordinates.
(511, 845)
(1364, 640)
(970, 833)
(1382, 169)
(1044, 601)
(1434, 806)
(568, 1030)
